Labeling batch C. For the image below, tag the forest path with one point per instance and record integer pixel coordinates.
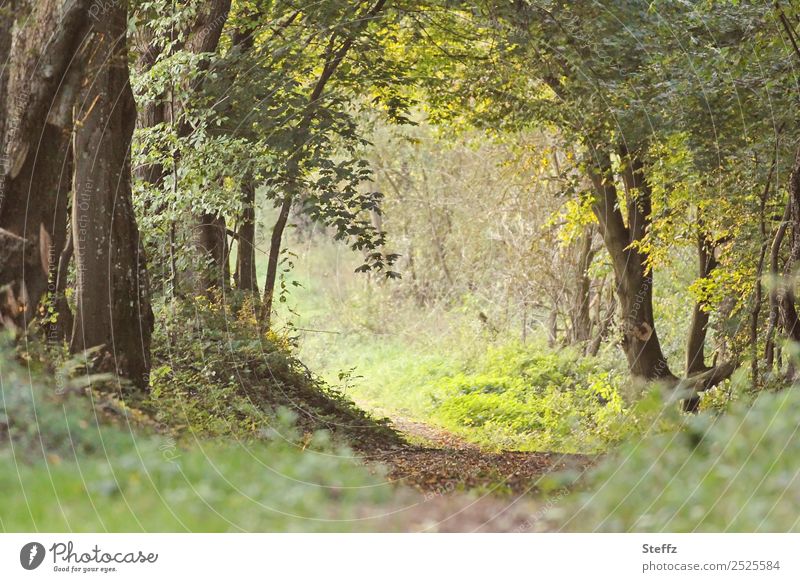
(438, 461)
(465, 488)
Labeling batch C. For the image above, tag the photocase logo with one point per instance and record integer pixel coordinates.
(31, 555)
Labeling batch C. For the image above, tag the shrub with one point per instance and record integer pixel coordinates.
(530, 398)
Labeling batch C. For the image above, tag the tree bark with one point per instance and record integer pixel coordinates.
(7, 17)
(36, 210)
(38, 83)
(634, 282)
(581, 320)
(62, 328)
(759, 285)
(112, 301)
(552, 327)
(211, 240)
(152, 113)
(245, 276)
(604, 323)
(60, 252)
(775, 290)
(40, 58)
(698, 383)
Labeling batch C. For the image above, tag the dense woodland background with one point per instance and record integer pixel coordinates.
(554, 243)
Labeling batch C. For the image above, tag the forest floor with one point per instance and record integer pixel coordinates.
(462, 488)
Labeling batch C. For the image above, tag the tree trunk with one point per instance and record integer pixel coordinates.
(7, 13)
(604, 323)
(775, 290)
(272, 263)
(300, 139)
(36, 210)
(35, 70)
(581, 320)
(38, 83)
(60, 253)
(112, 302)
(246, 278)
(212, 245)
(791, 322)
(552, 327)
(696, 341)
(759, 285)
(153, 112)
(634, 283)
(62, 328)
(210, 229)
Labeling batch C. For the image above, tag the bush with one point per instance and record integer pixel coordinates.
(529, 398)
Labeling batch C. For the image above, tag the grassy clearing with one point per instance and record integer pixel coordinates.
(515, 396)
(449, 370)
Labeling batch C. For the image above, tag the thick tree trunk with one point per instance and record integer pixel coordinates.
(62, 328)
(112, 302)
(60, 254)
(60, 185)
(40, 58)
(7, 14)
(634, 283)
(37, 82)
(36, 210)
(203, 37)
(246, 278)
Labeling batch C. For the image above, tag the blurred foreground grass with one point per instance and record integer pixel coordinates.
(201, 453)
(737, 472)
